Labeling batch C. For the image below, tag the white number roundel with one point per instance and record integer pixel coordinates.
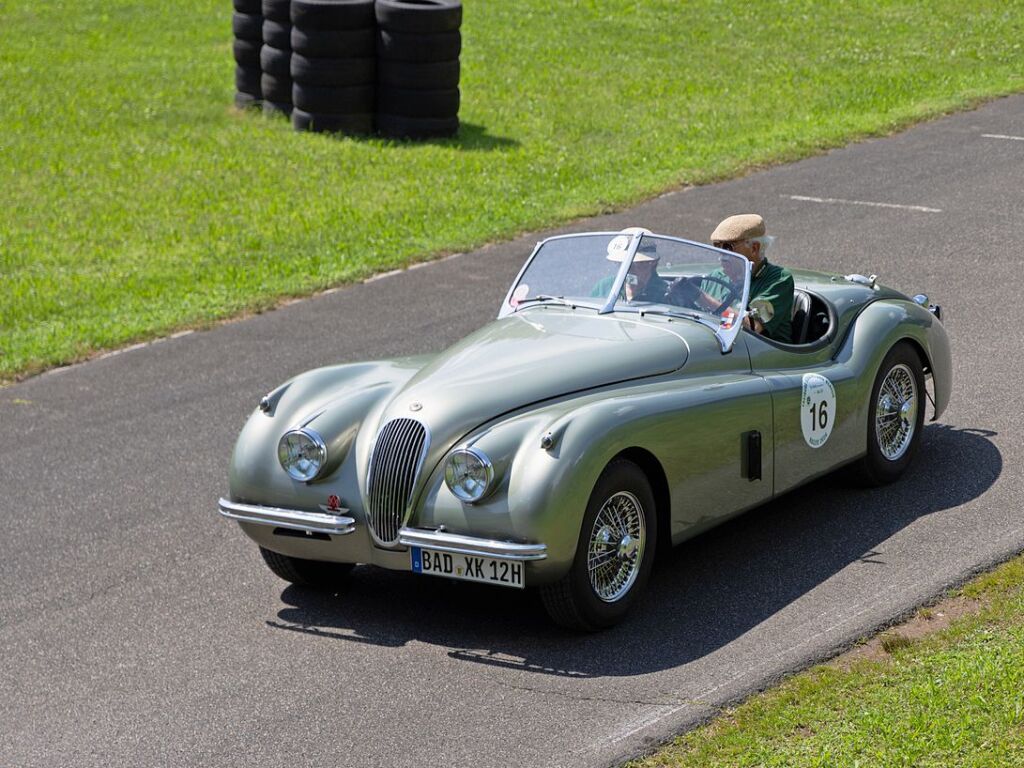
(817, 409)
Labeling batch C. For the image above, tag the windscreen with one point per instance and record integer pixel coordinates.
(674, 274)
(574, 268)
(662, 275)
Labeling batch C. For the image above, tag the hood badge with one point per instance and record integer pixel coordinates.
(415, 406)
(333, 504)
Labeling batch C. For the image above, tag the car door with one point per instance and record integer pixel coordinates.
(714, 439)
(819, 412)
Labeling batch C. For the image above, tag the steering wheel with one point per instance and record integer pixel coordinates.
(687, 290)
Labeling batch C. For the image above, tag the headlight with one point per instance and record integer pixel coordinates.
(468, 474)
(302, 453)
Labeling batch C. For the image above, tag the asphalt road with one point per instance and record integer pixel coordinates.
(139, 628)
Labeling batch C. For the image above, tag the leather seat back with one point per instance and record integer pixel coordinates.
(801, 316)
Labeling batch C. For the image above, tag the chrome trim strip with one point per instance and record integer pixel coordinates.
(469, 545)
(295, 519)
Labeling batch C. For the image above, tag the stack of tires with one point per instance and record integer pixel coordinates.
(247, 25)
(418, 48)
(276, 57)
(333, 65)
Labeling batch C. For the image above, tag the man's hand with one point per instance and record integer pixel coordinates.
(753, 324)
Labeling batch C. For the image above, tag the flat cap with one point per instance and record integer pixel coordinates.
(741, 227)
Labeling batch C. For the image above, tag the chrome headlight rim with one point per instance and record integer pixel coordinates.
(488, 469)
(321, 452)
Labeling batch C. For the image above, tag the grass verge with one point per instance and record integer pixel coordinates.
(137, 201)
(949, 698)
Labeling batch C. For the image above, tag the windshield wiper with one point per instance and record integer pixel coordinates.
(690, 314)
(540, 297)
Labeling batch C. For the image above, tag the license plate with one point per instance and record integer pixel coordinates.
(468, 567)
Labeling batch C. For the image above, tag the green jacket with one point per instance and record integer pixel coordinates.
(774, 284)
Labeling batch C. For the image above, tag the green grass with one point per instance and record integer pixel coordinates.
(135, 200)
(955, 698)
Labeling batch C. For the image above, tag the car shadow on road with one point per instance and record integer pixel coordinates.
(707, 593)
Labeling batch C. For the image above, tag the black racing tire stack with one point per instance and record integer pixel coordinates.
(276, 57)
(333, 66)
(418, 46)
(247, 26)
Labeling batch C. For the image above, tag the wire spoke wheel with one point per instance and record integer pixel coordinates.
(896, 412)
(616, 546)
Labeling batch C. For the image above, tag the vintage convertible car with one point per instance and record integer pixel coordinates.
(587, 427)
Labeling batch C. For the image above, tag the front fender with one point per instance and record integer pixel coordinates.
(334, 401)
(883, 324)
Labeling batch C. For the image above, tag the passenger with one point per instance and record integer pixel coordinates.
(769, 284)
(643, 283)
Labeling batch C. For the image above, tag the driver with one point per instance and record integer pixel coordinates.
(643, 283)
(770, 284)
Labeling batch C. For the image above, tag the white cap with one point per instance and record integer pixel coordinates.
(619, 246)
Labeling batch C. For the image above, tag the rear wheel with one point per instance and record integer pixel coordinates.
(306, 573)
(614, 554)
(895, 416)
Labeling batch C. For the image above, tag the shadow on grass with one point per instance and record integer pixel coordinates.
(470, 138)
(705, 594)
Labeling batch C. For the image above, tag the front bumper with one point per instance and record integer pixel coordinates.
(457, 544)
(335, 523)
(292, 519)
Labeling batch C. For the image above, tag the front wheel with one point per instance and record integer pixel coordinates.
(613, 556)
(895, 416)
(306, 573)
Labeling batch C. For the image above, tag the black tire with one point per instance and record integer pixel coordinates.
(247, 100)
(333, 72)
(412, 103)
(419, 16)
(573, 601)
(276, 108)
(332, 14)
(400, 46)
(354, 124)
(401, 127)
(418, 75)
(335, 44)
(876, 468)
(277, 90)
(247, 80)
(247, 53)
(278, 10)
(306, 573)
(277, 35)
(254, 7)
(274, 61)
(318, 99)
(247, 26)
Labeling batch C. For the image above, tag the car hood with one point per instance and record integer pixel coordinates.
(527, 358)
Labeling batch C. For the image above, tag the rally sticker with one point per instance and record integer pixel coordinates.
(817, 409)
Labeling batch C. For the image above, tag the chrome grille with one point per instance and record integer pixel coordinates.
(394, 466)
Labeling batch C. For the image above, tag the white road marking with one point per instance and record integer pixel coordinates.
(1001, 136)
(840, 201)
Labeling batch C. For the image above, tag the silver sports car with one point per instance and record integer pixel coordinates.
(592, 424)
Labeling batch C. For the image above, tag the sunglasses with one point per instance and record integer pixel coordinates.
(726, 246)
